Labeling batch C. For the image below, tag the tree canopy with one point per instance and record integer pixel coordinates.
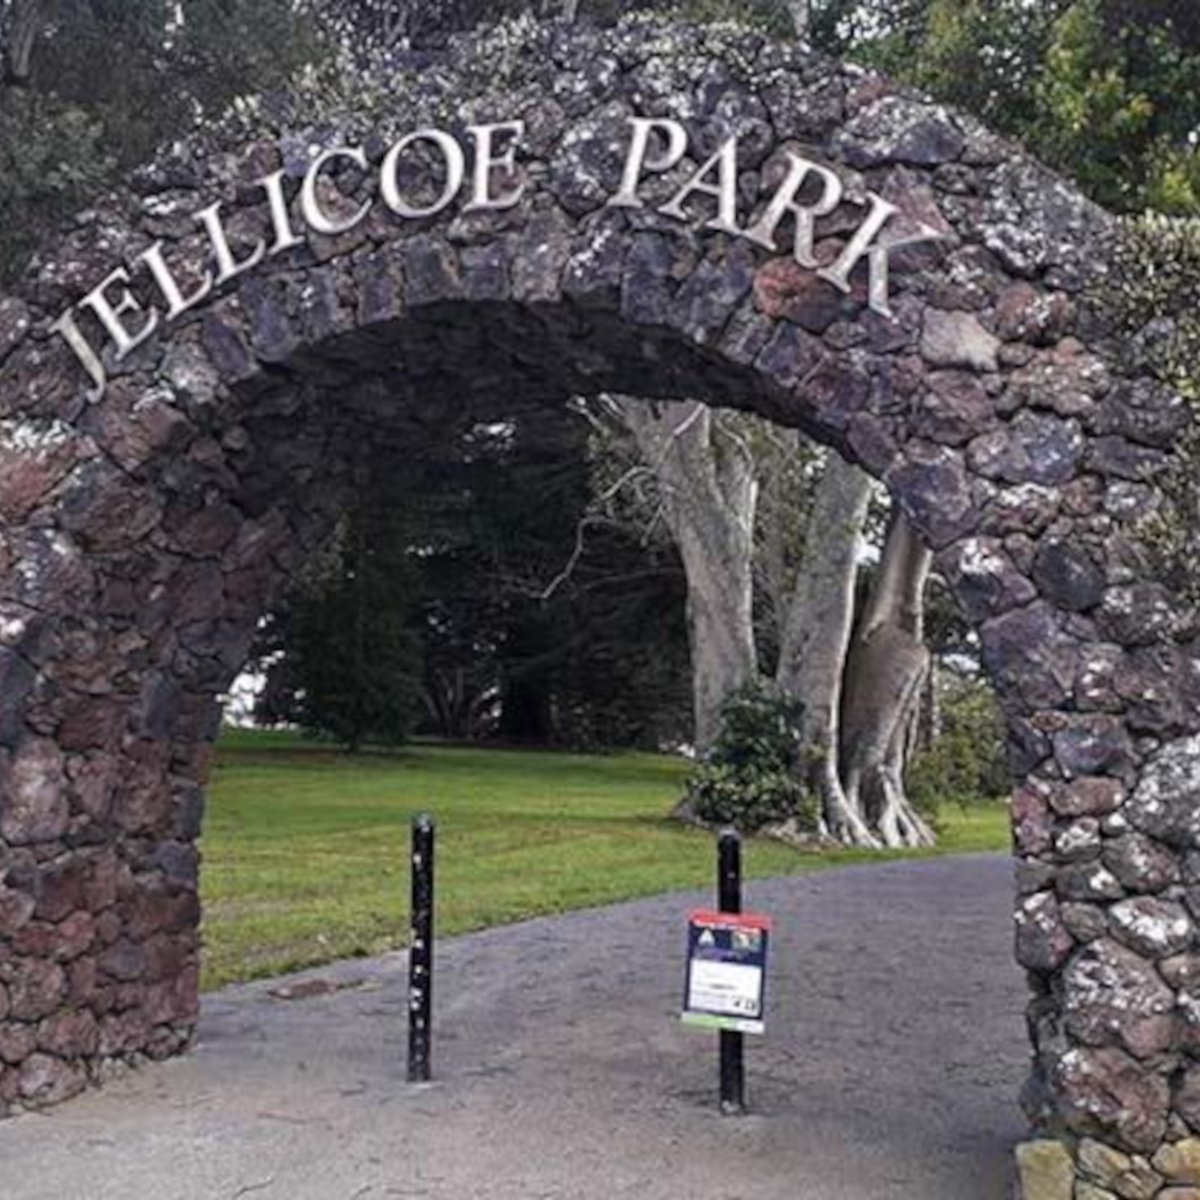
(90, 88)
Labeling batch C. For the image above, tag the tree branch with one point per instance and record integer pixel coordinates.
(897, 595)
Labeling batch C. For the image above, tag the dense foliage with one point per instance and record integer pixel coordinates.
(1107, 91)
(528, 623)
(90, 88)
(750, 777)
(347, 658)
(1153, 295)
(966, 760)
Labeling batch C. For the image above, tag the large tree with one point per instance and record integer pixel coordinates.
(771, 534)
(707, 480)
(1107, 91)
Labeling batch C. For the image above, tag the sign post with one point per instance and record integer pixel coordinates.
(729, 900)
(726, 972)
(420, 951)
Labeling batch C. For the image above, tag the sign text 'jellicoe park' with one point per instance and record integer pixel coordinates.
(483, 176)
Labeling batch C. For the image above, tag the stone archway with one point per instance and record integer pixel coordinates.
(925, 319)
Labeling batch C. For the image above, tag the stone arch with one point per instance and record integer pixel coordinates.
(143, 524)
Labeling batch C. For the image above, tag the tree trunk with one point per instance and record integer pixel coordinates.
(929, 728)
(526, 712)
(708, 481)
(885, 673)
(526, 696)
(720, 626)
(815, 636)
(451, 702)
(860, 687)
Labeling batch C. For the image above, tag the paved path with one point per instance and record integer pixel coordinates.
(894, 1055)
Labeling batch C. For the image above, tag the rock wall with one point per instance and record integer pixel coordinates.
(143, 532)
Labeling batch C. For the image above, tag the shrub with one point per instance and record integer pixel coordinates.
(751, 776)
(967, 763)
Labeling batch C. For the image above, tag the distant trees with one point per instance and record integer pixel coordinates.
(1107, 91)
(347, 657)
(509, 619)
(89, 88)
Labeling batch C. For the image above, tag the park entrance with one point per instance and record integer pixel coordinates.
(189, 386)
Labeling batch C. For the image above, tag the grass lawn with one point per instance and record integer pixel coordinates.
(305, 848)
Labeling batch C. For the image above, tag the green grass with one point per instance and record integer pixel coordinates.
(305, 848)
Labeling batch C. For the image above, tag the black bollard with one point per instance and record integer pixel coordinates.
(420, 951)
(729, 900)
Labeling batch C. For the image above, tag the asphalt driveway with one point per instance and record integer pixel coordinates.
(894, 1054)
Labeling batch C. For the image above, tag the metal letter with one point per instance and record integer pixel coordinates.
(227, 266)
(177, 303)
(485, 160)
(637, 162)
(861, 246)
(456, 169)
(310, 209)
(110, 314)
(83, 351)
(724, 161)
(285, 237)
(784, 201)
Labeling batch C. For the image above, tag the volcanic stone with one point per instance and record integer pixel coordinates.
(957, 339)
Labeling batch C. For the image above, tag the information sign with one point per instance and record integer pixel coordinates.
(725, 984)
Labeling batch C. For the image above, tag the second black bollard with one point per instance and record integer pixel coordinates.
(420, 951)
(729, 900)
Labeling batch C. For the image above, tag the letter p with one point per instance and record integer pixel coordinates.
(640, 159)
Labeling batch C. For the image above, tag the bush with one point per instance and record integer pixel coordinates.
(968, 762)
(751, 776)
